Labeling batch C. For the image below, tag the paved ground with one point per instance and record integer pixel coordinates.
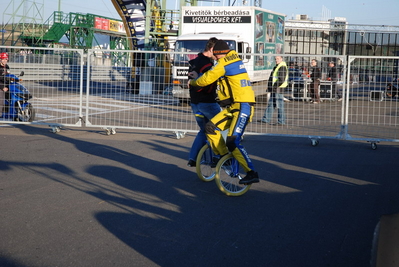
(81, 198)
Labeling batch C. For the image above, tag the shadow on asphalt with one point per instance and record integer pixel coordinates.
(315, 206)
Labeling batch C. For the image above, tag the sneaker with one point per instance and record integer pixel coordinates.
(252, 177)
(191, 163)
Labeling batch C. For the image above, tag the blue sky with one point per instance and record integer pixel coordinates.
(371, 12)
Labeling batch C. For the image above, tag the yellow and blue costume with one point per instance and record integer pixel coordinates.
(235, 94)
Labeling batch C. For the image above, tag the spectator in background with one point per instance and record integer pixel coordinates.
(4, 69)
(278, 81)
(315, 76)
(332, 76)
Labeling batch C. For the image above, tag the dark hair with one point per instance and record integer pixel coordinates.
(210, 44)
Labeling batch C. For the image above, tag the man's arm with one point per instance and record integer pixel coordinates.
(209, 77)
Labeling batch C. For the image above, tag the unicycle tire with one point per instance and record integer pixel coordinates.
(228, 175)
(203, 164)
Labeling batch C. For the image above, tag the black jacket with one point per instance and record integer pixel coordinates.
(315, 74)
(3, 71)
(207, 94)
(332, 73)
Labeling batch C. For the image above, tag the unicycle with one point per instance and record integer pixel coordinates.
(205, 165)
(228, 173)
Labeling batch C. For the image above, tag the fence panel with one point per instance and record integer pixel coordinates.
(139, 99)
(373, 106)
(141, 90)
(303, 117)
(144, 97)
(54, 79)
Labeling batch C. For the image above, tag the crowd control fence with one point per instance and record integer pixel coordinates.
(126, 89)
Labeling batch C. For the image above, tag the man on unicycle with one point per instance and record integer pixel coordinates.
(235, 94)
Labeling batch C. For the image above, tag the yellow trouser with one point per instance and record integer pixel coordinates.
(235, 118)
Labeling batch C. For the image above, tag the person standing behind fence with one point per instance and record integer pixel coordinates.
(278, 81)
(4, 69)
(332, 76)
(237, 97)
(315, 76)
(202, 99)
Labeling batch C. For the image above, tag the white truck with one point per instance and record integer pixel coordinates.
(251, 31)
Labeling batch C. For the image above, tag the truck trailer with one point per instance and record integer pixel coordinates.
(253, 32)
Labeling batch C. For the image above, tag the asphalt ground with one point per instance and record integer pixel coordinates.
(82, 198)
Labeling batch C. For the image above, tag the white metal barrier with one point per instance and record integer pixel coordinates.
(54, 78)
(372, 108)
(115, 104)
(133, 90)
